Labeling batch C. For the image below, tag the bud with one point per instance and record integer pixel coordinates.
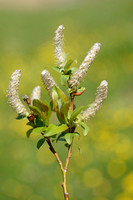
(59, 51)
(100, 96)
(36, 93)
(13, 94)
(48, 81)
(79, 75)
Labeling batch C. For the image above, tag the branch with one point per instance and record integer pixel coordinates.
(66, 195)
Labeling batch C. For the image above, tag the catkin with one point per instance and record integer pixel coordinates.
(48, 81)
(100, 97)
(79, 75)
(13, 94)
(59, 51)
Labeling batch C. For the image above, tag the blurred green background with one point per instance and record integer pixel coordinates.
(103, 169)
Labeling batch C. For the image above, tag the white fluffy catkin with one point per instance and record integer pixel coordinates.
(13, 94)
(79, 75)
(59, 51)
(36, 93)
(48, 81)
(100, 97)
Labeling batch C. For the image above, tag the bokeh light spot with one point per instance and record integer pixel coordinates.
(127, 183)
(93, 178)
(123, 196)
(116, 168)
(101, 189)
(16, 190)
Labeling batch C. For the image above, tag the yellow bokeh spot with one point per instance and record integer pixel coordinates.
(128, 183)
(106, 140)
(123, 117)
(124, 148)
(44, 156)
(93, 178)
(16, 190)
(84, 158)
(101, 189)
(123, 196)
(116, 168)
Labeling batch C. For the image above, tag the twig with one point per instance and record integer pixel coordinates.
(66, 195)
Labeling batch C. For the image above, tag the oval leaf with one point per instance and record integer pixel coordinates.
(40, 143)
(85, 127)
(53, 129)
(38, 112)
(20, 116)
(28, 133)
(75, 113)
(38, 130)
(43, 107)
(69, 137)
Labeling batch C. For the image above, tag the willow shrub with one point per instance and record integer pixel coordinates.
(69, 116)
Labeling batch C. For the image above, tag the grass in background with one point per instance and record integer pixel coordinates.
(103, 170)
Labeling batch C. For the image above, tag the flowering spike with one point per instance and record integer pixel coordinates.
(36, 93)
(59, 51)
(79, 75)
(13, 94)
(48, 81)
(94, 107)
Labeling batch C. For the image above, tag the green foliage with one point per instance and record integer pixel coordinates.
(39, 130)
(43, 107)
(20, 116)
(85, 128)
(75, 113)
(37, 111)
(40, 143)
(53, 129)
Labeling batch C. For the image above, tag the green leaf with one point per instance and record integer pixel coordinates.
(64, 110)
(85, 127)
(53, 129)
(58, 69)
(58, 98)
(67, 65)
(55, 99)
(67, 145)
(70, 90)
(50, 105)
(30, 124)
(64, 79)
(69, 114)
(28, 133)
(77, 134)
(61, 95)
(38, 130)
(20, 116)
(81, 89)
(61, 135)
(69, 137)
(40, 143)
(43, 107)
(38, 122)
(75, 113)
(61, 139)
(71, 71)
(38, 112)
(60, 118)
